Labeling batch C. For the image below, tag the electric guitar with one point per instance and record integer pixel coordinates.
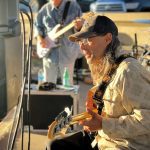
(64, 120)
(51, 38)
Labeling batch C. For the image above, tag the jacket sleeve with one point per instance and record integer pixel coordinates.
(134, 87)
(38, 24)
(44, 21)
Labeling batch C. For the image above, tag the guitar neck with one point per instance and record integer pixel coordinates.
(64, 30)
(79, 117)
(82, 116)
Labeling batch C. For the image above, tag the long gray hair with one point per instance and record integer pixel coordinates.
(113, 49)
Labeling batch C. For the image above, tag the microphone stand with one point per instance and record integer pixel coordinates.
(15, 125)
(135, 47)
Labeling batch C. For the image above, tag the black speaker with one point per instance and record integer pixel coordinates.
(44, 109)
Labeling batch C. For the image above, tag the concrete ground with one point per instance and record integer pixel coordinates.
(39, 137)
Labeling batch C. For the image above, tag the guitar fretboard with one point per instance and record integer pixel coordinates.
(65, 29)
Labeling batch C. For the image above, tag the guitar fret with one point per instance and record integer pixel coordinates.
(65, 29)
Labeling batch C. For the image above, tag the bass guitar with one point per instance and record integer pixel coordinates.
(64, 120)
(51, 38)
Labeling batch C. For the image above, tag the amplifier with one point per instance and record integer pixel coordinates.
(44, 106)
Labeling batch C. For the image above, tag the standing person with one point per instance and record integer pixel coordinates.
(123, 93)
(65, 54)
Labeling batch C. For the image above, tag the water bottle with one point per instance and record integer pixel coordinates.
(66, 78)
(40, 77)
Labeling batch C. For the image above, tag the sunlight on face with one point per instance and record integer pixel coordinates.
(94, 52)
(95, 47)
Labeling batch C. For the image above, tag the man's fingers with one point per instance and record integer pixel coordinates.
(91, 112)
(85, 122)
(85, 128)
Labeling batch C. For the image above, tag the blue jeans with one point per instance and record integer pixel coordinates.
(52, 71)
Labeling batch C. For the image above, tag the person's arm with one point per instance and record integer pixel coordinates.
(135, 92)
(39, 33)
(78, 23)
(74, 13)
(44, 22)
(39, 25)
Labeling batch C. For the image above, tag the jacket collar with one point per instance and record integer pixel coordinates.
(61, 7)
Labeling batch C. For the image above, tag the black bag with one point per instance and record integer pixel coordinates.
(47, 86)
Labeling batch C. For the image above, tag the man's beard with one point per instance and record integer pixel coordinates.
(99, 67)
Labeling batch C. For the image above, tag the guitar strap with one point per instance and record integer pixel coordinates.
(65, 11)
(98, 96)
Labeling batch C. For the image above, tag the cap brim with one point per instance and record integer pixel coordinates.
(79, 35)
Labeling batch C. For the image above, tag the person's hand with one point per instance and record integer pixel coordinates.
(90, 104)
(89, 100)
(78, 23)
(42, 42)
(92, 124)
(34, 54)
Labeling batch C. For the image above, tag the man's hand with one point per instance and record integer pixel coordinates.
(78, 23)
(92, 124)
(42, 41)
(90, 104)
(89, 100)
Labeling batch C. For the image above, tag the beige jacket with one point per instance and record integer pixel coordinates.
(127, 105)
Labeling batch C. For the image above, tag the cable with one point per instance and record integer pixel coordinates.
(15, 125)
(29, 69)
(25, 66)
(24, 40)
(28, 47)
(19, 106)
(29, 65)
(23, 74)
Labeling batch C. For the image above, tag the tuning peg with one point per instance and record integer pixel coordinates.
(57, 128)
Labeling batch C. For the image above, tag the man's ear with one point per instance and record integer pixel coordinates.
(108, 38)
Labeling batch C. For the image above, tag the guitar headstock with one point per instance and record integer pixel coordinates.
(61, 124)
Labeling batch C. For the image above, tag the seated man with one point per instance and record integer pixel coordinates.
(123, 93)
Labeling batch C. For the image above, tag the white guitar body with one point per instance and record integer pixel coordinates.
(50, 43)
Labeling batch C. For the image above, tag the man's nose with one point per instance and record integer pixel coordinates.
(83, 46)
